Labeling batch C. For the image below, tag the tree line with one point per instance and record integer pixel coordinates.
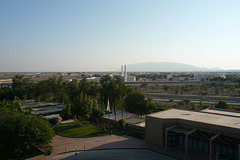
(59, 90)
(21, 129)
(79, 95)
(213, 88)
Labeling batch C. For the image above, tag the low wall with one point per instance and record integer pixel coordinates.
(129, 127)
(135, 128)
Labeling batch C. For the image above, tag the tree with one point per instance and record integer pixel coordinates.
(122, 123)
(19, 132)
(6, 93)
(106, 84)
(84, 86)
(113, 89)
(119, 91)
(201, 103)
(22, 87)
(15, 105)
(72, 89)
(137, 103)
(66, 112)
(52, 89)
(222, 104)
(154, 77)
(203, 80)
(81, 108)
(93, 90)
(97, 114)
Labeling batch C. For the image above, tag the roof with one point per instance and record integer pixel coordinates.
(45, 108)
(222, 112)
(53, 116)
(202, 117)
(134, 120)
(118, 115)
(40, 104)
(44, 112)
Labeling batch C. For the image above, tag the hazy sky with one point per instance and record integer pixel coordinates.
(101, 35)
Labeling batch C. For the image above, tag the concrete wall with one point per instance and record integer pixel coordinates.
(154, 130)
(129, 127)
(232, 132)
(135, 128)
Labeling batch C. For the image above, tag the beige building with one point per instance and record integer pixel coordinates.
(211, 132)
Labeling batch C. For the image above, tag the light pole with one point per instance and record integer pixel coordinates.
(115, 112)
(58, 128)
(76, 150)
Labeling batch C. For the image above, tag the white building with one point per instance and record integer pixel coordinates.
(131, 79)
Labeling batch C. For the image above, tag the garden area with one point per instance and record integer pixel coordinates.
(79, 130)
(87, 130)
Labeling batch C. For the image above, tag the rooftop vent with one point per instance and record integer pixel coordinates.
(186, 114)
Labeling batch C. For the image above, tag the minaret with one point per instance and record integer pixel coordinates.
(125, 73)
(122, 71)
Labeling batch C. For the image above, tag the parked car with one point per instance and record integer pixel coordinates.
(221, 156)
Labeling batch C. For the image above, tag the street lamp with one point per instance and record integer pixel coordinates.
(76, 150)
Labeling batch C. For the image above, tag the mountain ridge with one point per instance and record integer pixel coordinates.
(167, 67)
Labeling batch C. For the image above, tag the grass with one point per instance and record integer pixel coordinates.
(143, 118)
(79, 131)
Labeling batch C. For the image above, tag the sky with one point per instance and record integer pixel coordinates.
(101, 35)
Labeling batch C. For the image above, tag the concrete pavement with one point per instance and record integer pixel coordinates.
(117, 145)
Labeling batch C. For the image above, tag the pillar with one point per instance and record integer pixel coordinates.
(166, 137)
(186, 137)
(239, 152)
(186, 146)
(210, 145)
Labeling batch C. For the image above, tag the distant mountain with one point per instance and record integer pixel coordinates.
(233, 70)
(167, 67)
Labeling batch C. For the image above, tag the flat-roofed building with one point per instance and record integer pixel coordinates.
(49, 110)
(131, 79)
(208, 132)
(222, 112)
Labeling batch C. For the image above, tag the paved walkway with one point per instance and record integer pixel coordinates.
(114, 154)
(63, 145)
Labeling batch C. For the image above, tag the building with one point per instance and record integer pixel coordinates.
(131, 78)
(119, 115)
(206, 131)
(124, 75)
(48, 110)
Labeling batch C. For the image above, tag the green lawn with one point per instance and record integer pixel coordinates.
(144, 118)
(79, 131)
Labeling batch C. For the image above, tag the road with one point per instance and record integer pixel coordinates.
(235, 101)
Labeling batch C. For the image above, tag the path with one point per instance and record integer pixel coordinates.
(64, 144)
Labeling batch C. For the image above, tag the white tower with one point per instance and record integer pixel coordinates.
(122, 71)
(125, 73)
